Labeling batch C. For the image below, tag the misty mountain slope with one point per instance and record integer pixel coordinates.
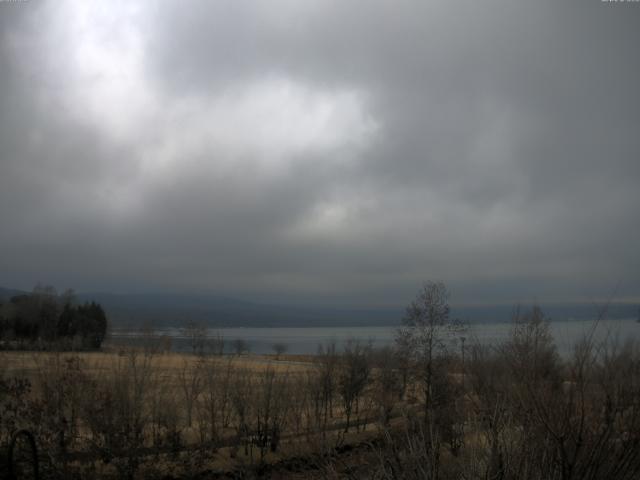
(175, 310)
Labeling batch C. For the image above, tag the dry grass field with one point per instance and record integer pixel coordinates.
(177, 412)
(30, 364)
(517, 411)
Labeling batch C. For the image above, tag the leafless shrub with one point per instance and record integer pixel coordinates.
(165, 418)
(151, 342)
(407, 454)
(116, 411)
(215, 402)
(190, 380)
(196, 336)
(240, 346)
(16, 408)
(388, 382)
(279, 348)
(60, 385)
(543, 418)
(298, 410)
(325, 379)
(243, 409)
(215, 344)
(270, 412)
(353, 377)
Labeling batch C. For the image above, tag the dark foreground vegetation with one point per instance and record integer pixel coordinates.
(44, 320)
(433, 407)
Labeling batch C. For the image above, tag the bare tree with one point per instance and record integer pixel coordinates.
(423, 335)
(214, 407)
(353, 376)
(116, 411)
(243, 407)
(585, 425)
(426, 328)
(327, 365)
(279, 348)
(196, 335)
(216, 344)
(149, 339)
(388, 382)
(240, 346)
(270, 409)
(190, 378)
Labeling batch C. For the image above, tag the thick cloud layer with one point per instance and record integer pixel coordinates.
(322, 151)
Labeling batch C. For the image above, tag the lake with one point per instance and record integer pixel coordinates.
(305, 340)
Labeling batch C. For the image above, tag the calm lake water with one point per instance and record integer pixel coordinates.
(305, 340)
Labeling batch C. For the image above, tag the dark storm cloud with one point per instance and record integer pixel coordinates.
(340, 150)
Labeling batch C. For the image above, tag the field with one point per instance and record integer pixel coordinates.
(514, 411)
(180, 413)
(29, 364)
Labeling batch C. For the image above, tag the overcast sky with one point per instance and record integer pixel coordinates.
(327, 151)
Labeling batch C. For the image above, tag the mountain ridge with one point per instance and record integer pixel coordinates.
(135, 310)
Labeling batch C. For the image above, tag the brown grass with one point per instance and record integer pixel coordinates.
(26, 363)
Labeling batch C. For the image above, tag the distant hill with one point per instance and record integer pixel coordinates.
(215, 311)
(7, 293)
(166, 310)
(554, 312)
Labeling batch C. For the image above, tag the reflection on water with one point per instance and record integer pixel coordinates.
(305, 340)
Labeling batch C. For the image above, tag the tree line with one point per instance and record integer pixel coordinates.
(44, 319)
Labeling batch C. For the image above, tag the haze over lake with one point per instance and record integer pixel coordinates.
(305, 340)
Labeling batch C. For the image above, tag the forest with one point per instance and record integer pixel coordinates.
(44, 320)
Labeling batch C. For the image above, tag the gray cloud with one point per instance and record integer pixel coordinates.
(326, 151)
